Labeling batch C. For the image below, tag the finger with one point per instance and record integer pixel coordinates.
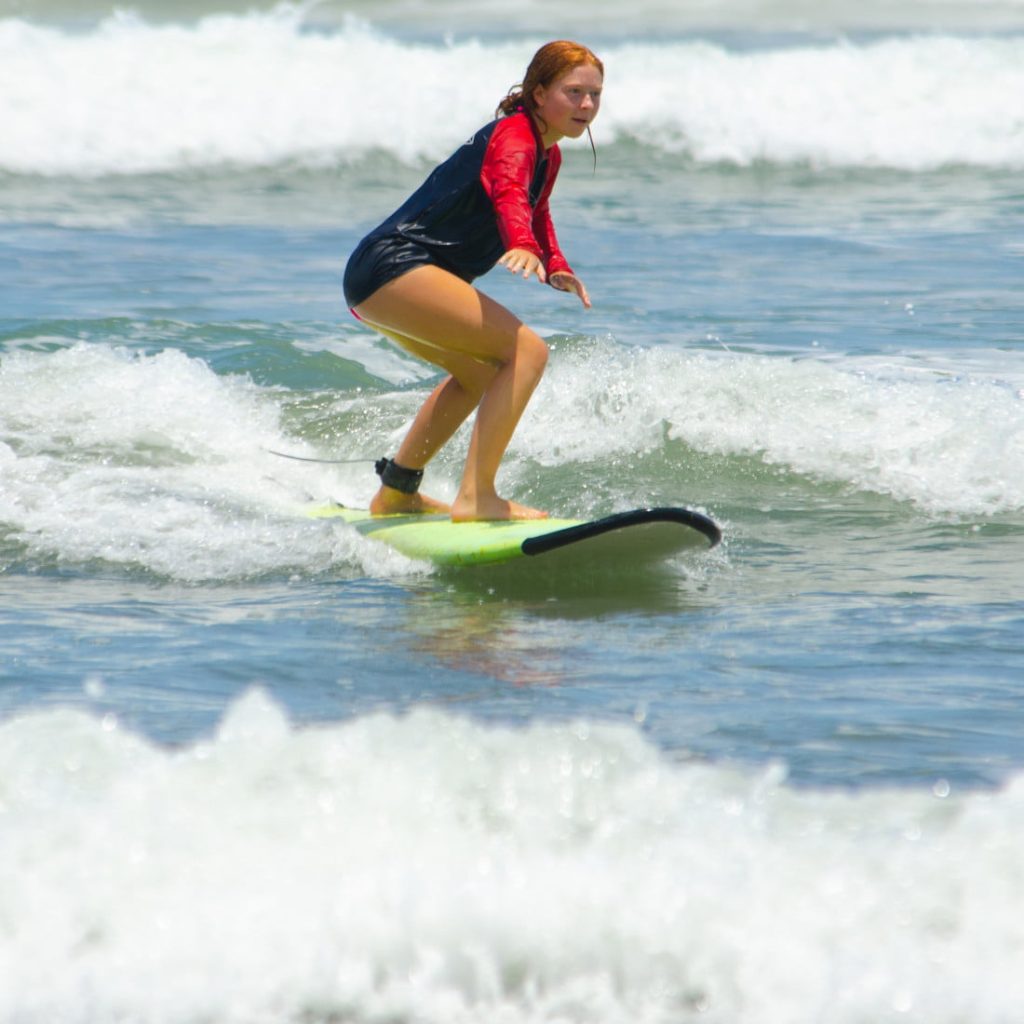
(532, 265)
(580, 289)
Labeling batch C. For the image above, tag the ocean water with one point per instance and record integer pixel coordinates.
(254, 768)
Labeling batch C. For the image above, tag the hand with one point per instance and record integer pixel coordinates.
(525, 262)
(566, 282)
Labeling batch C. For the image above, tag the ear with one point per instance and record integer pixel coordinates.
(539, 95)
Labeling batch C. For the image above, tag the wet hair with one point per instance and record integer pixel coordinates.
(550, 62)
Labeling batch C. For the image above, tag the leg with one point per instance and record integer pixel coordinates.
(493, 357)
(439, 417)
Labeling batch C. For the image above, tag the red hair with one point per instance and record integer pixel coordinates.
(550, 62)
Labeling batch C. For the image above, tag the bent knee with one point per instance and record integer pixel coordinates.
(533, 351)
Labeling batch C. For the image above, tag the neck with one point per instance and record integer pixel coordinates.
(548, 137)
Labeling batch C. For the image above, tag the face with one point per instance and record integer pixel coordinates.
(570, 103)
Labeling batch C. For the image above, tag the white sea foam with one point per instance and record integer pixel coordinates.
(127, 96)
(155, 462)
(431, 869)
(952, 445)
(646, 17)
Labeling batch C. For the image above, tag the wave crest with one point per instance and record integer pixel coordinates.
(127, 97)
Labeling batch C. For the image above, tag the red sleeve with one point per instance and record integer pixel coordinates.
(543, 228)
(507, 170)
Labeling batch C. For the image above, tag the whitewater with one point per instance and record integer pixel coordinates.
(427, 870)
(127, 96)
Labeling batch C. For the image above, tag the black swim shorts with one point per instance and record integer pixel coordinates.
(377, 260)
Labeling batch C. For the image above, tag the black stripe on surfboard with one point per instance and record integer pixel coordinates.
(636, 517)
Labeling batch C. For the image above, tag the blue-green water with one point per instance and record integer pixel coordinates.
(779, 781)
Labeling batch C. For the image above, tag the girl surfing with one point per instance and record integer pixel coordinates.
(411, 280)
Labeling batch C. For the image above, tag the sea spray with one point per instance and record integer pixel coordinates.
(430, 868)
(894, 428)
(128, 96)
(154, 461)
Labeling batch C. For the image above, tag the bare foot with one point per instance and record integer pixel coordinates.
(389, 502)
(494, 508)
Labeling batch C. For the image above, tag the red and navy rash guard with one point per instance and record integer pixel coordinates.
(489, 196)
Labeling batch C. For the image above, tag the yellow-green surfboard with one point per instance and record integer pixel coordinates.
(640, 535)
